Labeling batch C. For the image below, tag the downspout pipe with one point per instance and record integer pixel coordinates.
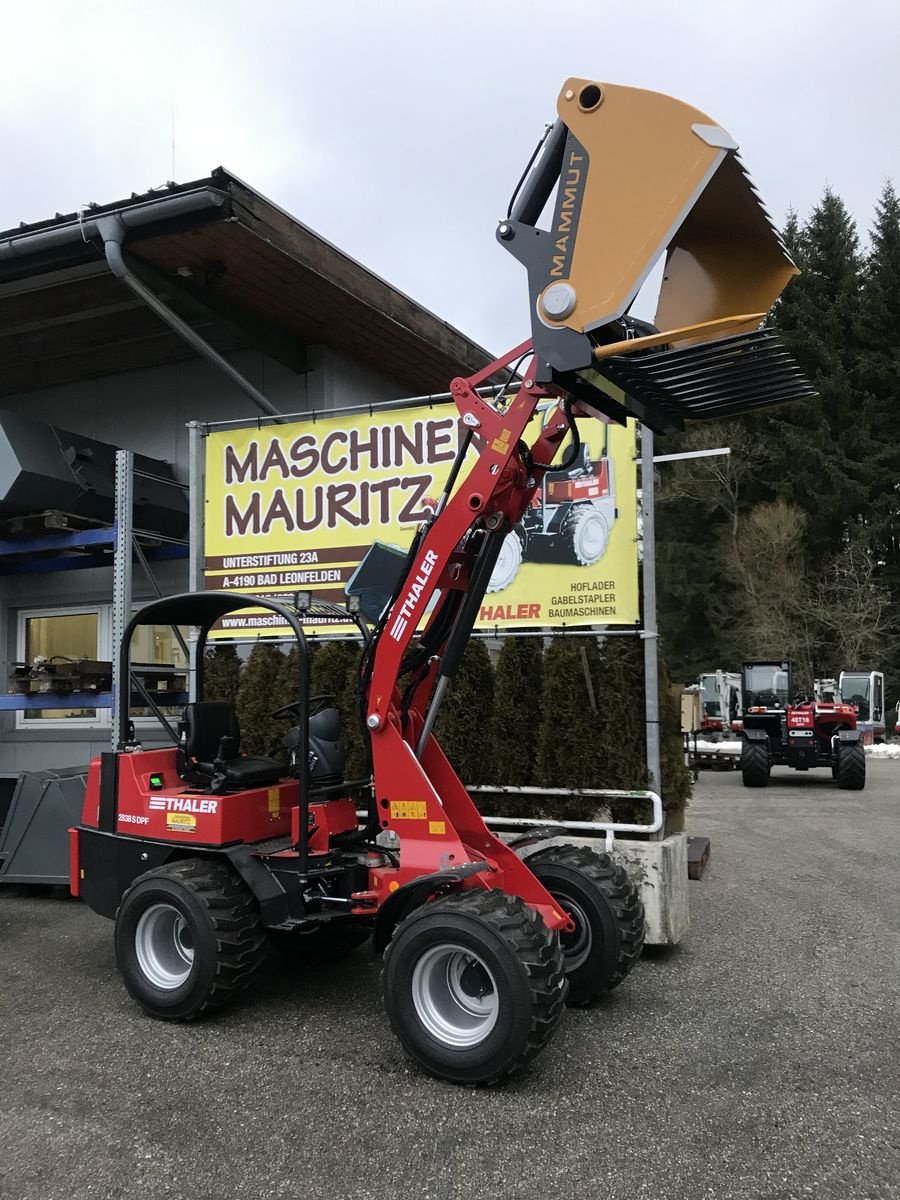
(113, 231)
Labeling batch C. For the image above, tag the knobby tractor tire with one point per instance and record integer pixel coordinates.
(188, 939)
(755, 765)
(851, 766)
(585, 534)
(320, 944)
(608, 915)
(474, 985)
(509, 560)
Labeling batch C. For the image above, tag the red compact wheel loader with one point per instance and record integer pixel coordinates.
(203, 855)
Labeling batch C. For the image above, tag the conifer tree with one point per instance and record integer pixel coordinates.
(518, 684)
(622, 731)
(675, 779)
(221, 672)
(817, 450)
(257, 698)
(358, 764)
(335, 672)
(570, 753)
(620, 716)
(333, 664)
(879, 377)
(463, 726)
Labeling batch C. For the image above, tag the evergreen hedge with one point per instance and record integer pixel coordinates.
(335, 671)
(569, 716)
(569, 752)
(221, 673)
(259, 693)
(518, 704)
(463, 727)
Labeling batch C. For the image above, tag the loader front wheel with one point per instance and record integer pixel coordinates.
(188, 939)
(851, 766)
(755, 767)
(608, 914)
(474, 985)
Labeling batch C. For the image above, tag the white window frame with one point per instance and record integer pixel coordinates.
(102, 717)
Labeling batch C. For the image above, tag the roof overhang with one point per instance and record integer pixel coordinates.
(239, 269)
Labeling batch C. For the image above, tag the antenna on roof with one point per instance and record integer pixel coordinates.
(173, 176)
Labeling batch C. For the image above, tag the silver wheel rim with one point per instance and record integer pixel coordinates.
(455, 996)
(590, 538)
(576, 946)
(164, 946)
(508, 562)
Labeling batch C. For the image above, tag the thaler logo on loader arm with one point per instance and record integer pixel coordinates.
(407, 608)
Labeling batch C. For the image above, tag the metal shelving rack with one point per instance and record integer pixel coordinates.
(117, 546)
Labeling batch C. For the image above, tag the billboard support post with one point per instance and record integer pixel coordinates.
(195, 505)
(197, 553)
(650, 632)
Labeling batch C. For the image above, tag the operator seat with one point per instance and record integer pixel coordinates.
(327, 753)
(209, 744)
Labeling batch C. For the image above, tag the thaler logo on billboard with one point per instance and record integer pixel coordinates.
(407, 608)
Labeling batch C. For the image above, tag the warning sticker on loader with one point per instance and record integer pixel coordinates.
(329, 507)
(409, 810)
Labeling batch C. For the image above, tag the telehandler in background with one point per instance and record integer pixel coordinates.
(202, 855)
(785, 728)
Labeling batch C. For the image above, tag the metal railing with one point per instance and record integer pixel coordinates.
(610, 828)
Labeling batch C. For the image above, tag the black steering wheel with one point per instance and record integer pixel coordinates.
(294, 709)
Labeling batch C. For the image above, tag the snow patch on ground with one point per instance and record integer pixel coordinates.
(723, 748)
(726, 749)
(888, 750)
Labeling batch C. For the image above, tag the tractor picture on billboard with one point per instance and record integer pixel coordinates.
(329, 507)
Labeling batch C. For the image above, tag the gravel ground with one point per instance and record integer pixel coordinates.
(759, 1060)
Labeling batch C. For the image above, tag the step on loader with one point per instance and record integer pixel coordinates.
(203, 856)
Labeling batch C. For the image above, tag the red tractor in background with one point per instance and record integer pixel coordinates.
(783, 729)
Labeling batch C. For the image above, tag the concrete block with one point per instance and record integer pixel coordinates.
(660, 871)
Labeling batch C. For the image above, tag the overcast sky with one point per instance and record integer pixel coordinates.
(397, 129)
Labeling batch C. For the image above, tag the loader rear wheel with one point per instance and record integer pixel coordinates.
(851, 766)
(608, 914)
(321, 943)
(188, 939)
(474, 985)
(755, 767)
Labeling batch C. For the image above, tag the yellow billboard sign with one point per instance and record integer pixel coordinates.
(329, 506)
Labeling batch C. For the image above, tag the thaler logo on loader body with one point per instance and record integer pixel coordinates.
(185, 804)
(407, 608)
